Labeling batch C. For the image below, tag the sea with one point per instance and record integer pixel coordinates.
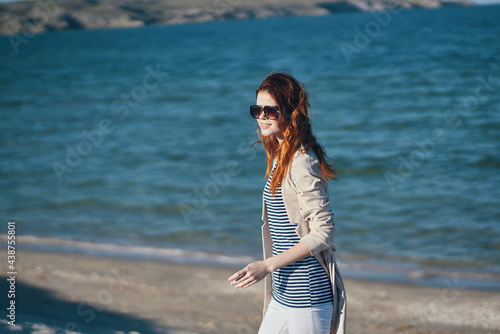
(137, 142)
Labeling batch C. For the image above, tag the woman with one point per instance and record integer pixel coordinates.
(307, 295)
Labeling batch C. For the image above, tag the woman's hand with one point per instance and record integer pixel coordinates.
(256, 271)
(250, 275)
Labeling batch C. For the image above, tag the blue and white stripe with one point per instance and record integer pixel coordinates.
(301, 284)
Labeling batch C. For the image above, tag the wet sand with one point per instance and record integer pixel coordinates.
(64, 293)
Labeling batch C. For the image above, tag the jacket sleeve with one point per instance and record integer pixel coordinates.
(314, 203)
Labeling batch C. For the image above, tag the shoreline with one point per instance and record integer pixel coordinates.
(63, 292)
(32, 17)
(351, 266)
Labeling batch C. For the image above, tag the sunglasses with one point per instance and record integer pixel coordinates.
(271, 112)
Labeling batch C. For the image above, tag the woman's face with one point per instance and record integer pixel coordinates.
(267, 126)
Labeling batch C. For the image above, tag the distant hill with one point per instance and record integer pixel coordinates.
(26, 17)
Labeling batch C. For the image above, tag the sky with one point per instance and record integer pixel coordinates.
(479, 2)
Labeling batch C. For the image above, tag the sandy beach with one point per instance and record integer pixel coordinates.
(61, 293)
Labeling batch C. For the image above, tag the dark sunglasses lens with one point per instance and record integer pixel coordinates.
(255, 111)
(271, 112)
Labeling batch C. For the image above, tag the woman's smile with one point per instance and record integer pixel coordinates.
(264, 125)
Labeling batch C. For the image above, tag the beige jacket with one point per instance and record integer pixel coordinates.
(306, 198)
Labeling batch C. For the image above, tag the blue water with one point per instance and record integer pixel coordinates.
(140, 137)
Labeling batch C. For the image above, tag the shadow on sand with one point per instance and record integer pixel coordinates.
(40, 311)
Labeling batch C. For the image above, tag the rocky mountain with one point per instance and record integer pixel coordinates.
(35, 16)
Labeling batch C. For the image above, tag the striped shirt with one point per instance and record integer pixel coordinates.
(301, 284)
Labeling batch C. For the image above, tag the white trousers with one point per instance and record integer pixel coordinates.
(281, 319)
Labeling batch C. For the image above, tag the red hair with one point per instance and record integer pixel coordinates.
(292, 99)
